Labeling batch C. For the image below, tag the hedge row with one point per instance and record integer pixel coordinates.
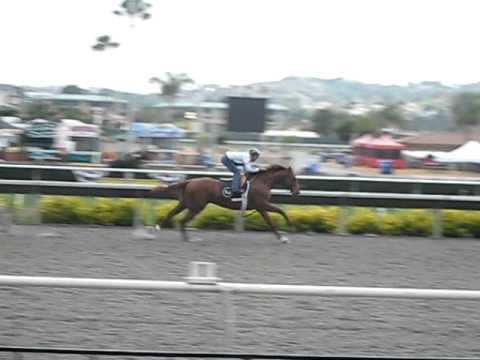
(104, 211)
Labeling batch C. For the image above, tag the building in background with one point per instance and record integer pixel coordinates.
(212, 116)
(103, 109)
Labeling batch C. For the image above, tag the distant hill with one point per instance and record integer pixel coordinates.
(342, 92)
(296, 92)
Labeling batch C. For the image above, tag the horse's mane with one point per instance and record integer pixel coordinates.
(270, 169)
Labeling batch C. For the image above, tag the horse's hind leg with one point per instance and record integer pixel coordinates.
(186, 219)
(167, 222)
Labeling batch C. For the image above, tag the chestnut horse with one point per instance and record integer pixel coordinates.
(195, 194)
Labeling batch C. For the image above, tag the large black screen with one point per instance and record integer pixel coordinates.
(246, 114)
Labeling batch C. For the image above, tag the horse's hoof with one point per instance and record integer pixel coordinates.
(143, 234)
(195, 239)
(157, 227)
(284, 239)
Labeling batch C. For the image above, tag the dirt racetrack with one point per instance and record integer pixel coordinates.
(195, 322)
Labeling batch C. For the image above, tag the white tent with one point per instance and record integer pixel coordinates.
(422, 154)
(467, 153)
(291, 133)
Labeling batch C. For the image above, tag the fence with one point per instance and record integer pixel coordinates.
(320, 183)
(206, 281)
(92, 353)
(341, 199)
(197, 284)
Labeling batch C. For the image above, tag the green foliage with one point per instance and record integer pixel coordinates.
(39, 110)
(416, 223)
(313, 219)
(134, 9)
(364, 222)
(255, 222)
(124, 212)
(149, 115)
(104, 42)
(389, 116)
(65, 210)
(120, 212)
(215, 217)
(8, 111)
(474, 217)
(345, 130)
(171, 85)
(466, 109)
(73, 113)
(364, 124)
(392, 224)
(73, 89)
(323, 121)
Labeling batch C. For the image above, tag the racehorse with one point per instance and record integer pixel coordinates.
(195, 194)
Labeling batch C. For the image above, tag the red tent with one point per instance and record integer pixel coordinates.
(368, 150)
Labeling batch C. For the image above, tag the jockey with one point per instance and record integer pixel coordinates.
(238, 162)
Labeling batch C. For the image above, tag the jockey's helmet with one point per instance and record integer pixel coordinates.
(254, 151)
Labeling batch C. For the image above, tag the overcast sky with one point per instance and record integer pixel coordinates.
(47, 42)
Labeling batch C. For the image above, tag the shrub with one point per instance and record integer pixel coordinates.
(215, 217)
(124, 212)
(392, 224)
(65, 210)
(474, 223)
(416, 223)
(254, 221)
(104, 211)
(456, 223)
(364, 222)
(315, 219)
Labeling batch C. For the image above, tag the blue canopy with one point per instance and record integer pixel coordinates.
(166, 131)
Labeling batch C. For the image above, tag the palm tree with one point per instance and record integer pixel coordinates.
(104, 42)
(170, 86)
(134, 9)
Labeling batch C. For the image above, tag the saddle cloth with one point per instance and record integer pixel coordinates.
(226, 188)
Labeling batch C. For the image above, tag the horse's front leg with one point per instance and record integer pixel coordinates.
(275, 209)
(273, 227)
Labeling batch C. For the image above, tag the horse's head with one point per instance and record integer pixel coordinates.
(291, 182)
(284, 177)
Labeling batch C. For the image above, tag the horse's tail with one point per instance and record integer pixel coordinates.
(174, 189)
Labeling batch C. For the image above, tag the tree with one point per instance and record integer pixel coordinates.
(149, 115)
(104, 42)
(73, 113)
(73, 89)
(389, 116)
(323, 121)
(365, 124)
(345, 130)
(170, 86)
(134, 9)
(466, 109)
(8, 111)
(39, 110)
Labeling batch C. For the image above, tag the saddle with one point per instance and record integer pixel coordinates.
(226, 187)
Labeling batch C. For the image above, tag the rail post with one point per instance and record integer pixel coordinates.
(230, 317)
(139, 230)
(437, 223)
(5, 220)
(342, 221)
